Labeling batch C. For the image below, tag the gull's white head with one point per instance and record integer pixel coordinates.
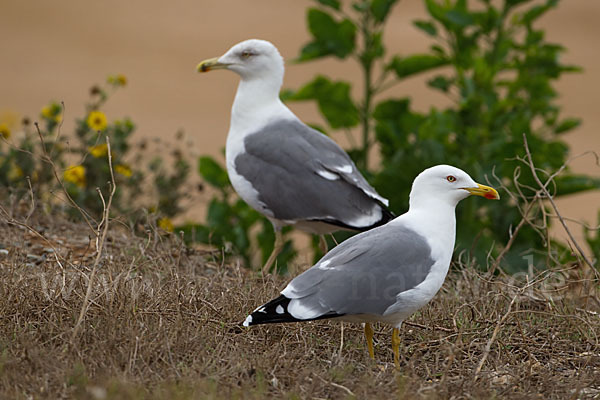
(251, 59)
(444, 183)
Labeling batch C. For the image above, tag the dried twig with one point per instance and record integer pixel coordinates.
(551, 200)
(11, 221)
(100, 240)
(32, 210)
(488, 346)
(46, 158)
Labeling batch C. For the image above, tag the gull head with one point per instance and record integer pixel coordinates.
(251, 59)
(444, 183)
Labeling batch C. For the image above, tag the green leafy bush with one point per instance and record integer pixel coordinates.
(499, 73)
(498, 70)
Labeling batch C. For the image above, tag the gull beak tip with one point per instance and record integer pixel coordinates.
(484, 191)
(210, 64)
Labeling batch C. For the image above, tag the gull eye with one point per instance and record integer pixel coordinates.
(246, 54)
(451, 178)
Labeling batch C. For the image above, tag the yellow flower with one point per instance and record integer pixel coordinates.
(117, 80)
(75, 174)
(97, 121)
(52, 111)
(99, 150)
(15, 172)
(123, 170)
(47, 112)
(8, 122)
(166, 224)
(4, 130)
(122, 79)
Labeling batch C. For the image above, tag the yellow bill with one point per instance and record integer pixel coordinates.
(484, 191)
(210, 64)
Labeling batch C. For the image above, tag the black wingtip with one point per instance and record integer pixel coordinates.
(386, 216)
(276, 311)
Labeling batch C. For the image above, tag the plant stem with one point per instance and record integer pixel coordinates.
(367, 64)
(365, 112)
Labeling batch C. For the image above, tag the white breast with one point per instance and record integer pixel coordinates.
(242, 186)
(439, 229)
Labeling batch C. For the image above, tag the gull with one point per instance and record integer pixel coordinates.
(287, 171)
(387, 273)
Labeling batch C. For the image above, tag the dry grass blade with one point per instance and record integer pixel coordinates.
(100, 240)
(551, 200)
(161, 323)
(488, 346)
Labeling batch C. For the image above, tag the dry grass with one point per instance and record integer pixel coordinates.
(163, 322)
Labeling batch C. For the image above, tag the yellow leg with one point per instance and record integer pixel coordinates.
(369, 336)
(396, 346)
(276, 250)
(323, 244)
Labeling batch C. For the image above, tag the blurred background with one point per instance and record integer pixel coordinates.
(57, 50)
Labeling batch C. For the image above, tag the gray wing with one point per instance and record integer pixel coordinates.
(364, 274)
(301, 174)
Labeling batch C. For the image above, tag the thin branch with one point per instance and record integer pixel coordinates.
(32, 210)
(48, 160)
(100, 241)
(488, 346)
(551, 200)
(11, 221)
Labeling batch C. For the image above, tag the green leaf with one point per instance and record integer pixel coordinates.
(217, 214)
(514, 3)
(333, 99)
(286, 94)
(450, 15)
(537, 11)
(330, 37)
(375, 50)
(426, 26)
(381, 8)
(311, 51)
(436, 11)
(212, 172)
(567, 125)
(335, 4)
(440, 82)
(415, 64)
(460, 18)
(570, 184)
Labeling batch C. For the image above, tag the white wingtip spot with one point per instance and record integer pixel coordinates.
(328, 175)
(300, 311)
(279, 310)
(248, 320)
(346, 169)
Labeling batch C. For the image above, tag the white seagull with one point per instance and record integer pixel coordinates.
(289, 172)
(387, 273)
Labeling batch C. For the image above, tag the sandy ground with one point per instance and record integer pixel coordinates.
(57, 50)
